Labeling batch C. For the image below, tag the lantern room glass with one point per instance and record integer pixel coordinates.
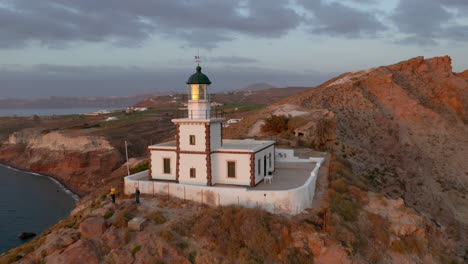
(198, 92)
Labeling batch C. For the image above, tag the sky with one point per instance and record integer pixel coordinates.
(121, 47)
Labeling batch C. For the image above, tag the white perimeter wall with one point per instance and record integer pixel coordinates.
(260, 155)
(291, 201)
(197, 161)
(157, 165)
(196, 129)
(219, 168)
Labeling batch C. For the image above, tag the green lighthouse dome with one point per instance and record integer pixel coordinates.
(198, 78)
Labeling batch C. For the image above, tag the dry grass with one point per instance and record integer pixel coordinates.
(242, 234)
(346, 208)
(157, 217)
(122, 216)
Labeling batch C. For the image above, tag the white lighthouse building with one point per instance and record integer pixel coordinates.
(200, 156)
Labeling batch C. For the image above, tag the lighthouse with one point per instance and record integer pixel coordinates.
(199, 155)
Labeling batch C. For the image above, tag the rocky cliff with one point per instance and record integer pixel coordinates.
(403, 129)
(81, 162)
(384, 231)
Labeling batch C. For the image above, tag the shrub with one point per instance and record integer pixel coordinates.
(157, 217)
(339, 185)
(167, 235)
(122, 217)
(191, 257)
(108, 215)
(275, 124)
(136, 249)
(141, 167)
(408, 244)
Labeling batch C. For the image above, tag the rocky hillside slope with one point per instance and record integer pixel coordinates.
(404, 130)
(363, 227)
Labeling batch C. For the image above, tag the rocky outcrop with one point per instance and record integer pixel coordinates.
(83, 251)
(92, 227)
(81, 162)
(384, 231)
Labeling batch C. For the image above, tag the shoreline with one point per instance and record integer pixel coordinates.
(75, 196)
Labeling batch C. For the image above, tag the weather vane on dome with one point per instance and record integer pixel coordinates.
(198, 58)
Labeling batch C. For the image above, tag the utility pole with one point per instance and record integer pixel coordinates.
(126, 155)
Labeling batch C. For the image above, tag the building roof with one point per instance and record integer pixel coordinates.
(198, 78)
(229, 145)
(244, 145)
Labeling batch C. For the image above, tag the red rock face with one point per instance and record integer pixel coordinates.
(404, 129)
(80, 162)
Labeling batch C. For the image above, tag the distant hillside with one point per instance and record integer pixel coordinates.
(243, 96)
(258, 87)
(75, 102)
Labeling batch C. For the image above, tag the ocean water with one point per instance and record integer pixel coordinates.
(29, 202)
(49, 111)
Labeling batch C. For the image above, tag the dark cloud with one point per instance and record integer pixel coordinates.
(199, 22)
(425, 22)
(232, 59)
(337, 19)
(207, 23)
(59, 80)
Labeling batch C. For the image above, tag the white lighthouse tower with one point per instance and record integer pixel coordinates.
(198, 134)
(199, 155)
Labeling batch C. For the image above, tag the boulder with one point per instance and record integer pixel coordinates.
(55, 241)
(26, 235)
(92, 227)
(114, 238)
(26, 261)
(121, 256)
(82, 252)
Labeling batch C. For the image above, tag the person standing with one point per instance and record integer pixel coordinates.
(112, 193)
(137, 195)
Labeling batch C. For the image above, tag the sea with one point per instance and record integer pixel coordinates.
(30, 202)
(49, 111)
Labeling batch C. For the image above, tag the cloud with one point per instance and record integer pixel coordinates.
(61, 80)
(232, 59)
(202, 23)
(337, 19)
(425, 22)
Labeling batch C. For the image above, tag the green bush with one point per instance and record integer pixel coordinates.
(191, 257)
(142, 167)
(108, 215)
(275, 124)
(157, 217)
(136, 249)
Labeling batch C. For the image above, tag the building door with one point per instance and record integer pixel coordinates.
(264, 166)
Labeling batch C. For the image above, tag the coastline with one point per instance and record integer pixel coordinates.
(75, 196)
